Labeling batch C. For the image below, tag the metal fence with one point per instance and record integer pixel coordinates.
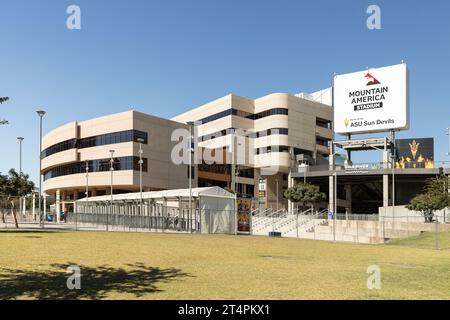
(16, 210)
(409, 230)
(168, 219)
(125, 217)
(356, 228)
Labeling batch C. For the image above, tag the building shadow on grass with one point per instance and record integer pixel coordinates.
(96, 283)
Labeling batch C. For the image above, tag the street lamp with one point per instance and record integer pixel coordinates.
(20, 153)
(86, 194)
(335, 185)
(276, 180)
(448, 134)
(141, 162)
(41, 114)
(191, 125)
(111, 168)
(20, 169)
(87, 180)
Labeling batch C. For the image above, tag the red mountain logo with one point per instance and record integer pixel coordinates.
(372, 80)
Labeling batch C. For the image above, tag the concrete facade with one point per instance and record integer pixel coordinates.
(264, 134)
(160, 174)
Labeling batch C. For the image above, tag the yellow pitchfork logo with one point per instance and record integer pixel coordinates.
(346, 122)
(414, 147)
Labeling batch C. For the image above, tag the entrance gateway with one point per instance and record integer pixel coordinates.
(384, 145)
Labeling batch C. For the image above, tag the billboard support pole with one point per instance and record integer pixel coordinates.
(393, 173)
(349, 152)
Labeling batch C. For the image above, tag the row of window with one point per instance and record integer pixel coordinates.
(270, 112)
(268, 132)
(226, 169)
(120, 163)
(100, 140)
(244, 114)
(263, 133)
(270, 149)
(217, 134)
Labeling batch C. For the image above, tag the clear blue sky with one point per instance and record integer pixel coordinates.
(164, 57)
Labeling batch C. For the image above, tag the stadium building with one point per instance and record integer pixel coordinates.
(272, 129)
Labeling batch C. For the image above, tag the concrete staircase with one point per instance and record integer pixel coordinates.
(288, 224)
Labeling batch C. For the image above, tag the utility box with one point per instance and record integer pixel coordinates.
(275, 234)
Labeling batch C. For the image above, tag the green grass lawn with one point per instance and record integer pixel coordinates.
(176, 266)
(426, 240)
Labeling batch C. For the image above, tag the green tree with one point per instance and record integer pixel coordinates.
(12, 187)
(2, 100)
(305, 194)
(3, 202)
(435, 198)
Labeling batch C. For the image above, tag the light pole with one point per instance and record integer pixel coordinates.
(448, 134)
(276, 180)
(335, 204)
(191, 125)
(393, 174)
(111, 168)
(41, 114)
(20, 153)
(87, 180)
(141, 162)
(87, 194)
(445, 166)
(20, 169)
(335, 185)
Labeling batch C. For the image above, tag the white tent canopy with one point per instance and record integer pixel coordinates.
(213, 208)
(215, 192)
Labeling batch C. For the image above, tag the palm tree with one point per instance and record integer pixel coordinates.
(2, 100)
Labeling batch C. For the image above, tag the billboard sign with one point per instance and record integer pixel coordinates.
(373, 100)
(415, 153)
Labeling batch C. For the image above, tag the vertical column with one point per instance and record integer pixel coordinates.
(24, 206)
(75, 198)
(331, 169)
(58, 204)
(63, 204)
(233, 163)
(34, 206)
(45, 205)
(348, 197)
(385, 178)
(164, 214)
(331, 193)
(290, 180)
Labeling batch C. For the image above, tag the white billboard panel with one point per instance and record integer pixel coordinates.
(373, 100)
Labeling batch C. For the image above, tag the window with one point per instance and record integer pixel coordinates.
(101, 165)
(323, 123)
(244, 114)
(322, 141)
(263, 133)
(270, 112)
(188, 173)
(100, 140)
(270, 149)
